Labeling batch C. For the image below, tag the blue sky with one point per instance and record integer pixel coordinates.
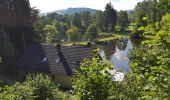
(51, 5)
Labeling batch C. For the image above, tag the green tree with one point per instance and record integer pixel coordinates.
(86, 19)
(73, 34)
(91, 32)
(99, 20)
(76, 21)
(110, 17)
(122, 20)
(52, 33)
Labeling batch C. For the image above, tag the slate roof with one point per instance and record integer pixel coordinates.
(32, 60)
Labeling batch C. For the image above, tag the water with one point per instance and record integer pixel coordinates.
(120, 57)
(117, 52)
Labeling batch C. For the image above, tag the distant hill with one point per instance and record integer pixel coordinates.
(71, 11)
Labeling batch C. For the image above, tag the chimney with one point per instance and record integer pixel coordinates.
(58, 47)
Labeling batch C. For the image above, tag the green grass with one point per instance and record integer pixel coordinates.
(103, 37)
(70, 43)
(113, 36)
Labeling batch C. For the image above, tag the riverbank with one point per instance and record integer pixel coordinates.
(102, 37)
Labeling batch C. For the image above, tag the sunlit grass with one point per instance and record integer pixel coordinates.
(103, 37)
(117, 35)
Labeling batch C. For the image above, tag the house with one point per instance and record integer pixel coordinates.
(56, 61)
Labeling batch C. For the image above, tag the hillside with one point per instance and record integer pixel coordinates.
(70, 11)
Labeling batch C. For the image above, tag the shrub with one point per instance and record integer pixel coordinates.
(93, 81)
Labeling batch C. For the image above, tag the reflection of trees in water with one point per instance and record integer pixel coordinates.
(109, 48)
(121, 45)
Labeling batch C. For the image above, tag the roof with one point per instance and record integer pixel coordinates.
(46, 58)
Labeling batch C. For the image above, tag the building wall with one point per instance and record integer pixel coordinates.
(64, 81)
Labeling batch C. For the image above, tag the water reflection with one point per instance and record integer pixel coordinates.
(120, 57)
(117, 53)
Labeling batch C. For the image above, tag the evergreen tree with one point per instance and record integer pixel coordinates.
(122, 20)
(110, 18)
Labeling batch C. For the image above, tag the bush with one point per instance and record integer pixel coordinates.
(36, 87)
(93, 81)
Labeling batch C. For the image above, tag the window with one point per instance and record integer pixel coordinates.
(45, 59)
(57, 60)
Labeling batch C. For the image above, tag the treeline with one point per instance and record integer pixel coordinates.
(79, 26)
(16, 27)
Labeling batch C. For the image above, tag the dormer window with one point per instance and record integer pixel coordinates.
(57, 60)
(45, 59)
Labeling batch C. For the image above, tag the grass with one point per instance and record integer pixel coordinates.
(70, 43)
(113, 36)
(103, 37)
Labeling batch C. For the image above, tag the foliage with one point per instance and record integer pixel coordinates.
(91, 32)
(150, 63)
(17, 19)
(99, 20)
(73, 34)
(92, 81)
(76, 21)
(36, 87)
(110, 18)
(51, 33)
(42, 87)
(122, 20)
(39, 32)
(7, 51)
(153, 10)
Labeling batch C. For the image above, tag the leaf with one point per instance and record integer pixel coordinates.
(135, 64)
(145, 18)
(141, 28)
(166, 17)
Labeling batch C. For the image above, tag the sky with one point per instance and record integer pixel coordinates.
(52, 5)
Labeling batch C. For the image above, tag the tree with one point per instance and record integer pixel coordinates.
(77, 21)
(73, 34)
(17, 21)
(91, 32)
(86, 19)
(99, 20)
(122, 20)
(52, 33)
(7, 51)
(110, 18)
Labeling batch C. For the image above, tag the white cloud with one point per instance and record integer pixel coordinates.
(51, 5)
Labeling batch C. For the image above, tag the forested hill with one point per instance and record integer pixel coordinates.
(71, 11)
